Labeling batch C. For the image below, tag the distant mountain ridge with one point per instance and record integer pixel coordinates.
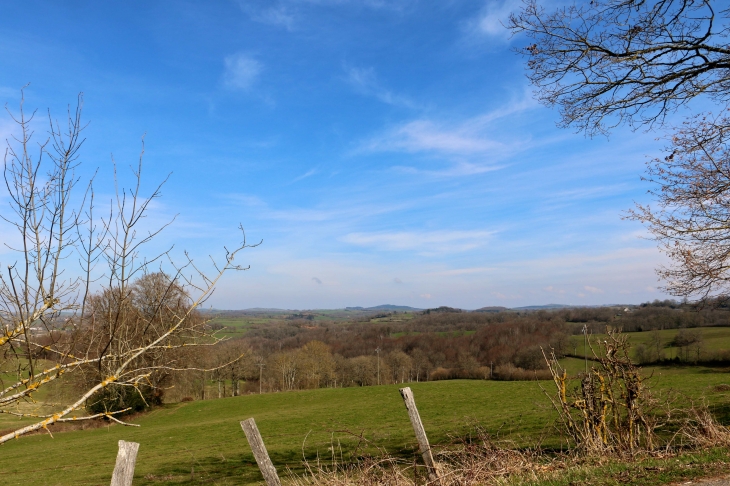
(406, 308)
(389, 307)
(492, 308)
(546, 307)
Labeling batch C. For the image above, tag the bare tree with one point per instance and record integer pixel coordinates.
(607, 62)
(318, 365)
(691, 220)
(115, 320)
(656, 344)
(287, 365)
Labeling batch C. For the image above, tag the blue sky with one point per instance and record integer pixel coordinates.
(385, 151)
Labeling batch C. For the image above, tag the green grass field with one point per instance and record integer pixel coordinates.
(237, 326)
(202, 441)
(714, 339)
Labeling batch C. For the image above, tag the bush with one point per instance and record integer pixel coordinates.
(129, 399)
(510, 372)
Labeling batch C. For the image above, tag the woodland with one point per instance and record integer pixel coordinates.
(304, 350)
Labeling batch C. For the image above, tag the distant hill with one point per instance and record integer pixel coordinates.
(547, 306)
(493, 308)
(266, 309)
(443, 309)
(385, 307)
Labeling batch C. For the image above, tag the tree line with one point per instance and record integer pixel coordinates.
(294, 354)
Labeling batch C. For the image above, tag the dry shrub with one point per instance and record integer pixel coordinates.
(698, 428)
(485, 462)
(366, 472)
(464, 462)
(611, 410)
(440, 374)
(722, 387)
(509, 372)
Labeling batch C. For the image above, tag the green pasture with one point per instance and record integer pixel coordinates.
(713, 339)
(202, 441)
(237, 326)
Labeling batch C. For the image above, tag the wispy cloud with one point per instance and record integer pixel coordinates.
(280, 15)
(491, 20)
(593, 290)
(590, 192)
(316, 280)
(7, 94)
(309, 173)
(288, 13)
(349, 211)
(365, 82)
(427, 136)
(241, 71)
(502, 296)
(461, 271)
(425, 242)
(457, 170)
(471, 137)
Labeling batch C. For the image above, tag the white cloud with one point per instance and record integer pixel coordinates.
(502, 296)
(365, 82)
(426, 296)
(473, 137)
(344, 211)
(7, 94)
(457, 170)
(427, 136)
(462, 271)
(241, 71)
(309, 173)
(281, 16)
(492, 19)
(590, 192)
(425, 242)
(289, 13)
(593, 290)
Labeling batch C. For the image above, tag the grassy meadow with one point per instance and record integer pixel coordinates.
(713, 339)
(194, 442)
(238, 324)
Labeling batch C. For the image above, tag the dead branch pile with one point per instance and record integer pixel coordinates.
(472, 462)
(699, 429)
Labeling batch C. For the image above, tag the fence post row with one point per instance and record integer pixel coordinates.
(259, 452)
(127, 455)
(126, 460)
(423, 445)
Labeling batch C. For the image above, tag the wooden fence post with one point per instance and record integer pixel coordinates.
(259, 452)
(126, 460)
(423, 445)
